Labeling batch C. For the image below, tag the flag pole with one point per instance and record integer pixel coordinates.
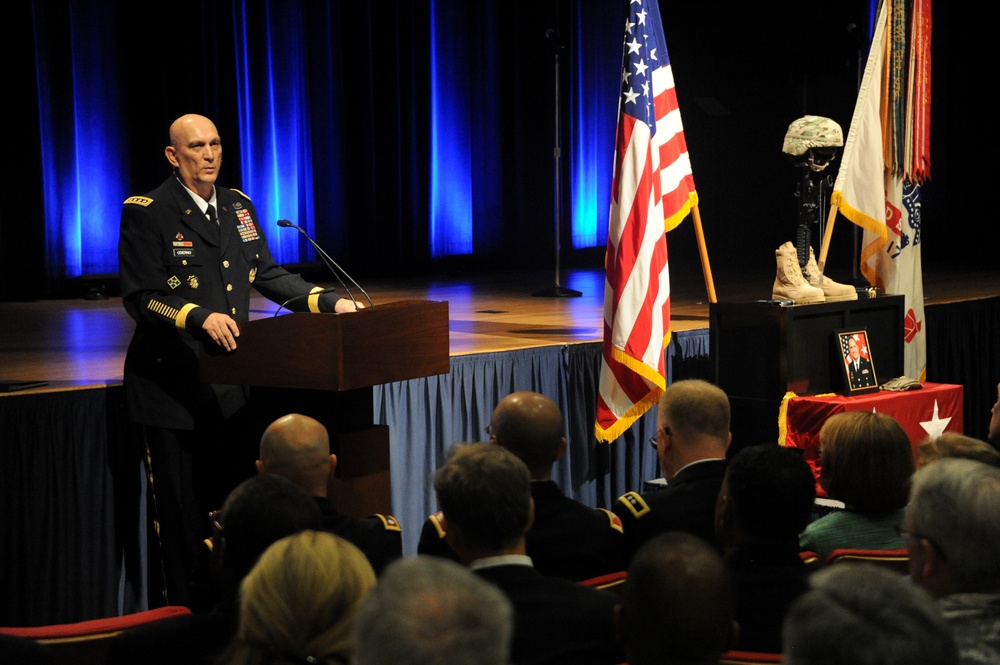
(827, 235)
(706, 268)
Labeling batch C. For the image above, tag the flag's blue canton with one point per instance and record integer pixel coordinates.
(643, 51)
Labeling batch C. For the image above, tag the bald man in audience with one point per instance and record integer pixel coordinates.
(298, 447)
(692, 437)
(567, 539)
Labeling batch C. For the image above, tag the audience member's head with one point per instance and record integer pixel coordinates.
(994, 432)
(678, 604)
(692, 423)
(952, 444)
(298, 448)
(863, 614)
(258, 512)
(767, 495)
(530, 425)
(867, 461)
(954, 528)
(484, 492)
(427, 610)
(298, 603)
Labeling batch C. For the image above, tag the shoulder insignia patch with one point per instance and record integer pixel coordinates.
(240, 193)
(614, 521)
(389, 522)
(435, 519)
(635, 503)
(143, 201)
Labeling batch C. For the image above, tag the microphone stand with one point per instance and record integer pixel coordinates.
(557, 291)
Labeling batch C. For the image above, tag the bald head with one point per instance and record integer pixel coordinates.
(195, 152)
(530, 425)
(298, 448)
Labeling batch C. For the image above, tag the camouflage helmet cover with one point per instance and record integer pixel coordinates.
(812, 131)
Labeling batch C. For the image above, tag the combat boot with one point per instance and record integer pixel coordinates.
(789, 284)
(834, 291)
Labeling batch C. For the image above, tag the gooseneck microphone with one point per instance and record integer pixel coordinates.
(330, 263)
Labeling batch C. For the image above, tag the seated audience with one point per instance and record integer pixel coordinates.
(298, 603)
(427, 610)
(298, 448)
(567, 539)
(952, 444)
(692, 436)
(867, 462)
(953, 527)
(484, 492)
(861, 614)
(260, 511)
(765, 501)
(678, 604)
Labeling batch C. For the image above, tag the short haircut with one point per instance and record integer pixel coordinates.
(300, 599)
(867, 461)
(956, 503)
(772, 490)
(678, 603)
(694, 407)
(427, 610)
(865, 615)
(952, 444)
(260, 511)
(485, 491)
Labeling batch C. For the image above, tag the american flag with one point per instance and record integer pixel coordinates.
(652, 192)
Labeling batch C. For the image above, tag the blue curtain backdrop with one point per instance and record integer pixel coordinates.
(399, 133)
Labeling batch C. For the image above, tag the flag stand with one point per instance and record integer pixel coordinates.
(557, 291)
(706, 268)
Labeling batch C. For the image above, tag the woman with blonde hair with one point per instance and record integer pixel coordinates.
(867, 462)
(298, 603)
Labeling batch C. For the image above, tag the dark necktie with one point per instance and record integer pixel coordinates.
(211, 214)
(213, 231)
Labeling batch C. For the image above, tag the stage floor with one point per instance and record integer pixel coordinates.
(78, 343)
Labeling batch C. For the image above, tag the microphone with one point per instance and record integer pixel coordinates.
(330, 263)
(301, 296)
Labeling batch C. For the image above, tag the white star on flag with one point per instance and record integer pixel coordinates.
(935, 426)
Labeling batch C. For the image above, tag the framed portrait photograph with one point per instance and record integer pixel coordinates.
(858, 364)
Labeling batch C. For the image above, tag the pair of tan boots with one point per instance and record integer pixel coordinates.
(813, 287)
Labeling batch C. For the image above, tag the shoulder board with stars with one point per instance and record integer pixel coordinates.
(143, 201)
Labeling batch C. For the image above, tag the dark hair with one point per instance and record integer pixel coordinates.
(772, 490)
(867, 461)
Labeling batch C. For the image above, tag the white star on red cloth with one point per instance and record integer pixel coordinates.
(935, 426)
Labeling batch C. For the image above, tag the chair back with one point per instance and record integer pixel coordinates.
(750, 658)
(897, 560)
(86, 642)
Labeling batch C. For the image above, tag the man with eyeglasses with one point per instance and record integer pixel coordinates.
(953, 537)
(692, 437)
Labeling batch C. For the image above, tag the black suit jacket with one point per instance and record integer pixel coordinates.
(176, 268)
(556, 621)
(687, 503)
(567, 538)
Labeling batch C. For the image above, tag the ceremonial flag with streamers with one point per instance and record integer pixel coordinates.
(651, 193)
(887, 159)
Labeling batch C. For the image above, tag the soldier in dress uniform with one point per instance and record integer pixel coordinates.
(567, 539)
(189, 253)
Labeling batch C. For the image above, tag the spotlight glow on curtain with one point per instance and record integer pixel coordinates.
(451, 204)
(82, 176)
(274, 134)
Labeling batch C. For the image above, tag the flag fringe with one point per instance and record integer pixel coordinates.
(672, 222)
(625, 420)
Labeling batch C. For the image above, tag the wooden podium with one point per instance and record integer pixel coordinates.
(324, 366)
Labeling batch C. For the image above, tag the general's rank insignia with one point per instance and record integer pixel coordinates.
(245, 225)
(173, 282)
(193, 281)
(253, 274)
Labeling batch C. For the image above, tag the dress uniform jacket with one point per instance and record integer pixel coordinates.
(176, 268)
(567, 538)
(687, 503)
(379, 537)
